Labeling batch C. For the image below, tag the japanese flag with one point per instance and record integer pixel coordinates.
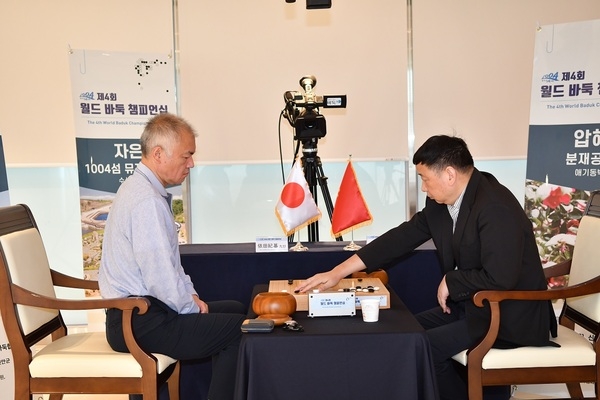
(296, 207)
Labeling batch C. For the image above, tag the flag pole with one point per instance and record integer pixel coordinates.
(352, 246)
(298, 246)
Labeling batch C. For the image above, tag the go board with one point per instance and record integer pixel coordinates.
(363, 288)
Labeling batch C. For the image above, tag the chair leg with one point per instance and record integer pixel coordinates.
(474, 384)
(173, 383)
(575, 390)
(55, 396)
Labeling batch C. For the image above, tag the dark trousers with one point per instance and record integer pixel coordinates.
(188, 337)
(448, 335)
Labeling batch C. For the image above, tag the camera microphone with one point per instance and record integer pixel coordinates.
(308, 82)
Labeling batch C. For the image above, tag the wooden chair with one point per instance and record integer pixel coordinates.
(70, 363)
(577, 358)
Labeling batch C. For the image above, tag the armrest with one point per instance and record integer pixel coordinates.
(559, 269)
(128, 305)
(588, 287)
(60, 279)
(29, 298)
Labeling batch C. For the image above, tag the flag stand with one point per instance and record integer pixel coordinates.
(352, 246)
(298, 247)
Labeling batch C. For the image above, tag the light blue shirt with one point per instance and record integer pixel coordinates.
(455, 208)
(140, 249)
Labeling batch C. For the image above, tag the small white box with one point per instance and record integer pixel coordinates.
(330, 304)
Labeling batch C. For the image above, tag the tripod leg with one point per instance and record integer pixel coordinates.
(322, 179)
(313, 172)
(311, 178)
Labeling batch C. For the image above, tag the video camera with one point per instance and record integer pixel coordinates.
(302, 111)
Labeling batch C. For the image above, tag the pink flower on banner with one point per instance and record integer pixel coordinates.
(556, 198)
(296, 207)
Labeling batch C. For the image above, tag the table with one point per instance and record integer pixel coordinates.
(339, 358)
(232, 270)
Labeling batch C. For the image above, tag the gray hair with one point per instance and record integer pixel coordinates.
(164, 130)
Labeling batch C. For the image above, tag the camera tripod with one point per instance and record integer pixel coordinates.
(313, 173)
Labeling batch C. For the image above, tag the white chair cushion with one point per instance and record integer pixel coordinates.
(87, 355)
(584, 266)
(575, 350)
(28, 265)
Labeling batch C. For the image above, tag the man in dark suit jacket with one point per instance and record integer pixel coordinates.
(484, 241)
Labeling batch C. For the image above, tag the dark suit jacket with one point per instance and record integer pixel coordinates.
(493, 247)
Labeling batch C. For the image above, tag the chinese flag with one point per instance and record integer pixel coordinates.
(296, 207)
(350, 210)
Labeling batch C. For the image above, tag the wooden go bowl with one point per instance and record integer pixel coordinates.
(281, 303)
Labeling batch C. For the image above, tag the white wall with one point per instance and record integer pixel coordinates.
(239, 57)
(472, 70)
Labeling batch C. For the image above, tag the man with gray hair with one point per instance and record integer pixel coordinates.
(140, 257)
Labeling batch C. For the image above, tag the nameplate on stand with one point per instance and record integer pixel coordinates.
(331, 304)
(268, 244)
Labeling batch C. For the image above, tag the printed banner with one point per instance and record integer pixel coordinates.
(4, 197)
(563, 158)
(114, 95)
(7, 372)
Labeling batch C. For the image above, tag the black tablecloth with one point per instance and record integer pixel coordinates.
(230, 271)
(339, 358)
